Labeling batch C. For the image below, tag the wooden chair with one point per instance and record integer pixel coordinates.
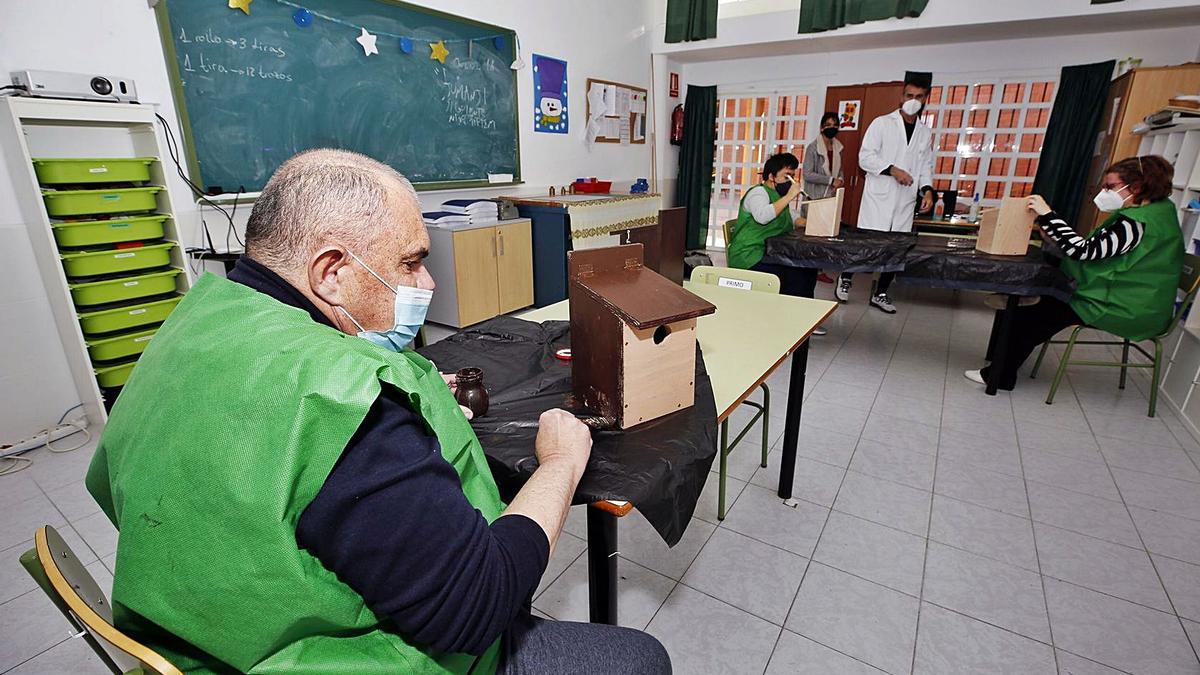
(64, 580)
(749, 281)
(1189, 283)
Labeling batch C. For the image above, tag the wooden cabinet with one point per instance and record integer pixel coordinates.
(481, 271)
(1131, 97)
(875, 99)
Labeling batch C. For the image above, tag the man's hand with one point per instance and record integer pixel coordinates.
(927, 201)
(793, 191)
(1038, 205)
(563, 438)
(902, 177)
(452, 382)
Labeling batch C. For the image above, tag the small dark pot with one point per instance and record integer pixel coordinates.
(470, 392)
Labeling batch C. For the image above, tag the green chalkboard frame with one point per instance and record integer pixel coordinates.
(168, 45)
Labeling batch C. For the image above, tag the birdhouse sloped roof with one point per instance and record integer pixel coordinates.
(639, 296)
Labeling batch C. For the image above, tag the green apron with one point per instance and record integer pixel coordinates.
(228, 427)
(749, 236)
(1133, 295)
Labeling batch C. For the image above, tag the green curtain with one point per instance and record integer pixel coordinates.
(822, 15)
(689, 20)
(694, 189)
(1071, 136)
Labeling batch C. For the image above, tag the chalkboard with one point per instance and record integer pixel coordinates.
(254, 89)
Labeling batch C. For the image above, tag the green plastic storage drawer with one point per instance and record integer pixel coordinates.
(94, 232)
(115, 376)
(69, 171)
(62, 203)
(129, 316)
(115, 261)
(120, 346)
(124, 288)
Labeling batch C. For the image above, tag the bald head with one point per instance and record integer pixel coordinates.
(325, 196)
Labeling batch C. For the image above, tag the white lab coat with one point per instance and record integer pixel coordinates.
(887, 205)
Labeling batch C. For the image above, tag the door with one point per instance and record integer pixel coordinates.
(514, 266)
(1111, 123)
(851, 140)
(475, 275)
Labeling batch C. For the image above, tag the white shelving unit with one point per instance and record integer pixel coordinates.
(1180, 145)
(1180, 388)
(49, 128)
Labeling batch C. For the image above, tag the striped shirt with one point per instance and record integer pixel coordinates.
(1117, 239)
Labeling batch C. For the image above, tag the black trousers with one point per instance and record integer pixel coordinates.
(885, 280)
(1032, 326)
(795, 281)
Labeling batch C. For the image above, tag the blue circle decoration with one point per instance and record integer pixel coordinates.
(498, 42)
(406, 45)
(302, 17)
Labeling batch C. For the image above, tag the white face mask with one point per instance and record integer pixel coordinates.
(911, 107)
(1109, 200)
(409, 314)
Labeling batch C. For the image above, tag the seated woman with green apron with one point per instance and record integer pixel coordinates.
(766, 211)
(1126, 271)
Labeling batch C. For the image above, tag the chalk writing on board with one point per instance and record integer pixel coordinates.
(237, 42)
(211, 67)
(466, 105)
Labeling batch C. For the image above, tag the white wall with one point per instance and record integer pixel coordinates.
(957, 62)
(607, 40)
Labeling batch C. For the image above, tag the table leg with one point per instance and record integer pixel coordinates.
(791, 423)
(602, 566)
(1001, 332)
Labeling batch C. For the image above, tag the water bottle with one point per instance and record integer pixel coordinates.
(975, 209)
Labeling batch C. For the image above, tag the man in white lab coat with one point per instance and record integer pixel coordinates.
(897, 155)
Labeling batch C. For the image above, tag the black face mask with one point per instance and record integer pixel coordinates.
(829, 132)
(783, 187)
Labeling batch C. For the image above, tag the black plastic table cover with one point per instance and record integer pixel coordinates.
(853, 250)
(924, 260)
(660, 466)
(932, 262)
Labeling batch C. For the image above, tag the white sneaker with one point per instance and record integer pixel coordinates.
(820, 330)
(975, 376)
(882, 302)
(842, 290)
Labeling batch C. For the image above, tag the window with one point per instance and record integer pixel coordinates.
(988, 136)
(750, 129)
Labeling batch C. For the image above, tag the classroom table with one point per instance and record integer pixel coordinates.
(748, 337)
(934, 260)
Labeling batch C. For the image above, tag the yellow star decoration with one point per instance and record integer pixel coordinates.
(243, 5)
(437, 49)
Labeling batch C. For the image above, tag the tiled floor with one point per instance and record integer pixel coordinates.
(935, 529)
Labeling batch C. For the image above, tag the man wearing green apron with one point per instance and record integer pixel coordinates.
(296, 490)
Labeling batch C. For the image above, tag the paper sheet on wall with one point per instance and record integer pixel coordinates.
(624, 130)
(624, 102)
(610, 99)
(639, 102)
(639, 127)
(611, 128)
(593, 130)
(595, 97)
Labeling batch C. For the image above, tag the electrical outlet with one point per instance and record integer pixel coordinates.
(46, 435)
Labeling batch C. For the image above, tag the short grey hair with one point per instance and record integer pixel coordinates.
(321, 196)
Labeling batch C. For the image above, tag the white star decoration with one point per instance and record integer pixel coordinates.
(368, 42)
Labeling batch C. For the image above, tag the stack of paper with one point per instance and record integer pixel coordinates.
(445, 219)
(479, 211)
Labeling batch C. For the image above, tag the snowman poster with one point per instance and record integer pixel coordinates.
(549, 95)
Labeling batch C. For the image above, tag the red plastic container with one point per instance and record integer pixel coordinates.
(599, 187)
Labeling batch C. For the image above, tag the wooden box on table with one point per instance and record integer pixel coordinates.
(633, 336)
(824, 216)
(1005, 231)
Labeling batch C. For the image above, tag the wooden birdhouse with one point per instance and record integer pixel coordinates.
(824, 216)
(633, 336)
(1005, 231)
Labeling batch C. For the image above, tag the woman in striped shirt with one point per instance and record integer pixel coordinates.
(1126, 271)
